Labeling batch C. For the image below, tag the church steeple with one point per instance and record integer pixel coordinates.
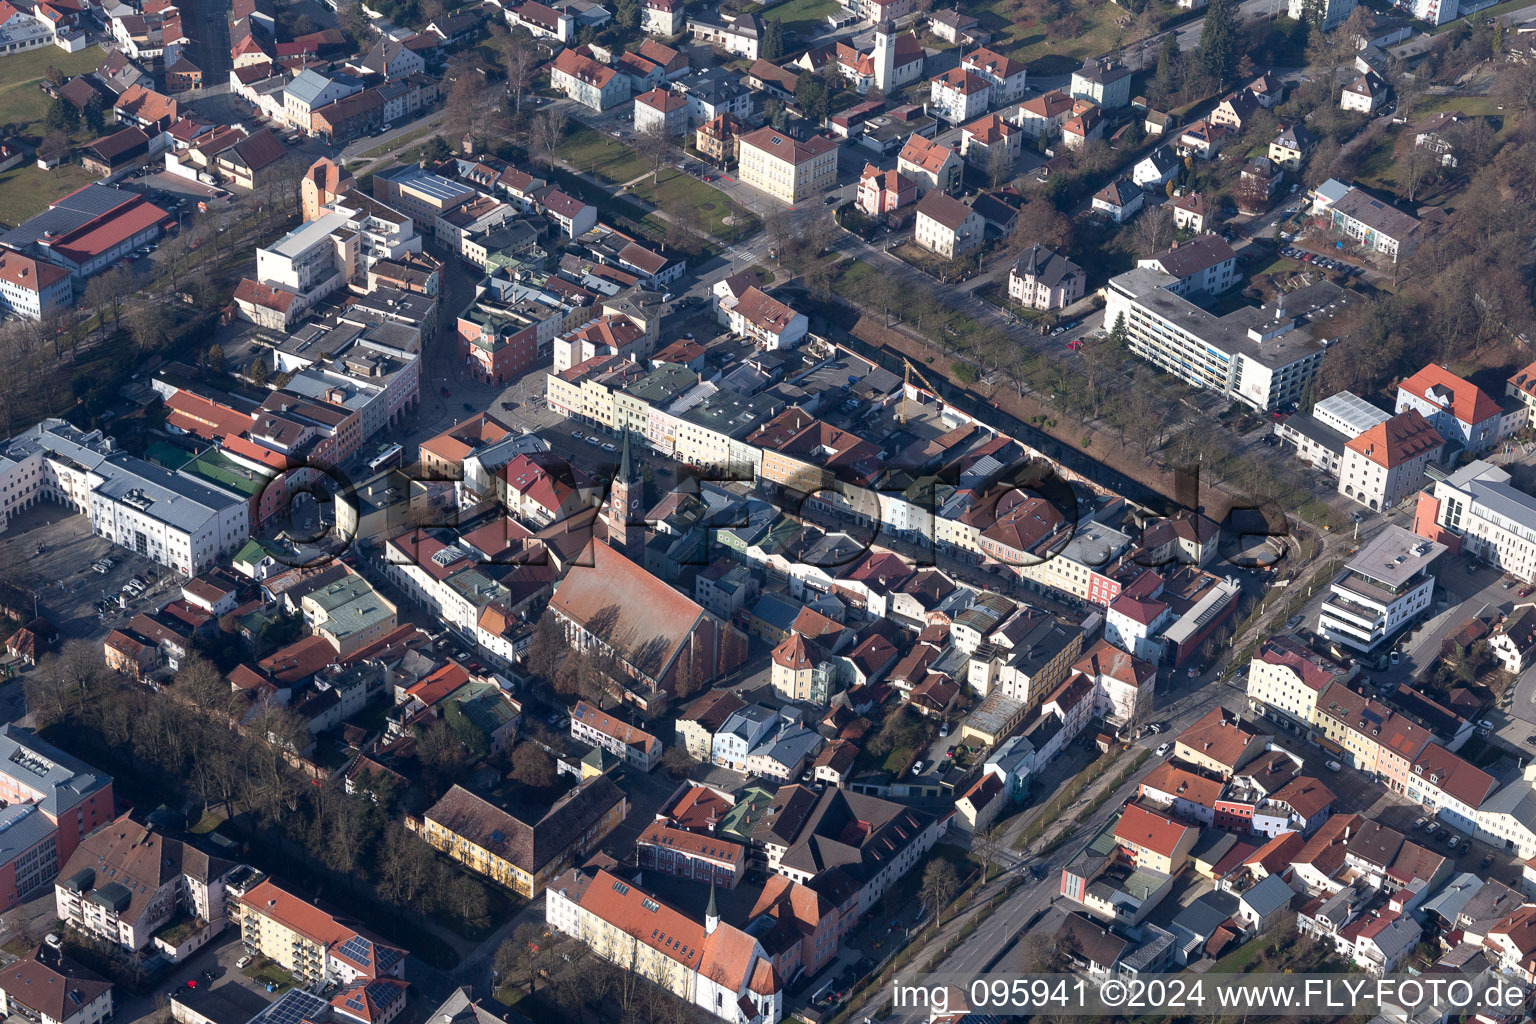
(622, 517)
(711, 914)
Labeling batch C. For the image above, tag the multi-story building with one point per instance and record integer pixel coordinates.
(51, 802)
(33, 289)
(48, 987)
(309, 943)
(1333, 12)
(1285, 678)
(525, 849)
(1477, 509)
(1386, 463)
(1006, 75)
(168, 517)
(1045, 280)
(711, 965)
(125, 882)
(1205, 265)
(958, 96)
(589, 83)
(1382, 588)
(767, 321)
(1459, 410)
(883, 192)
(1102, 82)
(1258, 355)
(309, 91)
(662, 18)
(1042, 116)
(930, 166)
(947, 226)
(1373, 223)
(662, 108)
(741, 35)
(696, 856)
(1436, 12)
(636, 747)
(788, 170)
(420, 194)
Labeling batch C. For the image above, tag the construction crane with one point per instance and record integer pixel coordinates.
(906, 382)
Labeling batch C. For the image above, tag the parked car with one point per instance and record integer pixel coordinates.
(1419, 823)
(1163, 750)
(1334, 766)
(917, 767)
(244, 962)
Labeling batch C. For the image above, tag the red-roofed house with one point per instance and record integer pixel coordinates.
(883, 192)
(587, 82)
(1155, 841)
(1458, 409)
(1219, 743)
(1386, 463)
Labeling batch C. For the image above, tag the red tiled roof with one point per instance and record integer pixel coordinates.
(1149, 830)
(1403, 438)
(1468, 402)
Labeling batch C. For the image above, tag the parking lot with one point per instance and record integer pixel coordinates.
(52, 551)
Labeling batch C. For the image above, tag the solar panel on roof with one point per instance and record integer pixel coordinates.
(358, 949)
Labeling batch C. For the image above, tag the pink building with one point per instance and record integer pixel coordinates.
(881, 192)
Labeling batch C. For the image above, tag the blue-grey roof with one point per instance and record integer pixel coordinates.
(67, 214)
(307, 86)
(1451, 900)
(168, 497)
(37, 765)
(22, 826)
(1268, 896)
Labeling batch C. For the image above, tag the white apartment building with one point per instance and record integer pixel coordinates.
(32, 288)
(175, 520)
(1495, 521)
(1383, 587)
(947, 226)
(589, 83)
(1386, 463)
(1006, 75)
(958, 96)
(1256, 355)
(313, 260)
(1334, 12)
(1285, 678)
(309, 91)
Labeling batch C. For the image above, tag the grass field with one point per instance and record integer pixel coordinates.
(28, 189)
(802, 15)
(613, 161)
(1025, 39)
(21, 100)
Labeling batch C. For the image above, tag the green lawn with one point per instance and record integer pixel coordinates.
(1026, 39)
(28, 189)
(802, 15)
(20, 74)
(614, 162)
(592, 152)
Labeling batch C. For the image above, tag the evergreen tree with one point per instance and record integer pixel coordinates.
(1218, 42)
(773, 39)
(1168, 65)
(95, 114)
(1312, 14)
(1117, 333)
(811, 97)
(62, 116)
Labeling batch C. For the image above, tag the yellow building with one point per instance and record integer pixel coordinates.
(308, 942)
(524, 855)
(785, 168)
